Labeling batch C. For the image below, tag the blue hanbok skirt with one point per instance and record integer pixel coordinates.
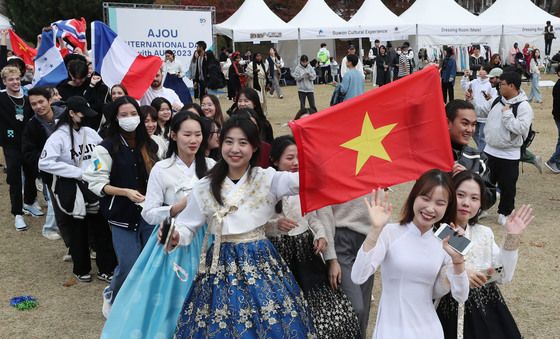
(251, 294)
(178, 85)
(149, 301)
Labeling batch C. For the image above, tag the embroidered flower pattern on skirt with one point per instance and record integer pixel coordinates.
(251, 295)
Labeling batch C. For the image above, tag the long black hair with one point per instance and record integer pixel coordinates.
(219, 172)
(277, 148)
(200, 160)
(463, 176)
(144, 144)
(66, 119)
(266, 131)
(156, 103)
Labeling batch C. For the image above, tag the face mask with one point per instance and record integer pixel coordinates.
(129, 124)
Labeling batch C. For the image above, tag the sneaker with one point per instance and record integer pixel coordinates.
(83, 277)
(92, 254)
(39, 185)
(483, 214)
(20, 224)
(67, 257)
(51, 235)
(552, 167)
(105, 277)
(34, 210)
(502, 219)
(106, 308)
(538, 163)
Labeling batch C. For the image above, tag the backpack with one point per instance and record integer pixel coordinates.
(337, 96)
(322, 56)
(530, 136)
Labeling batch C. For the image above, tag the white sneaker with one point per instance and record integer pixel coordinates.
(483, 214)
(20, 224)
(51, 235)
(502, 219)
(106, 308)
(34, 210)
(67, 257)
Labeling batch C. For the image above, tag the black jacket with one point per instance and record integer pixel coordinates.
(34, 139)
(96, 97)
(11, 129)
(556, 101)
(474, 161)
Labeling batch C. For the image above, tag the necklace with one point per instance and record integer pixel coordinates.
(19, 108)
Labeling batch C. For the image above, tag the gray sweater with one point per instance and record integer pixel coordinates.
(304, 77)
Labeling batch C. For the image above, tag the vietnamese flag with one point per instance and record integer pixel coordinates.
(384, 137)
(21, 49)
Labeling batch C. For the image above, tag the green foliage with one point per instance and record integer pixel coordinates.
(30, 16)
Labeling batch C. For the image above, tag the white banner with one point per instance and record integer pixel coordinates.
(257, 35)
(459, 30)
(528, 30)
(153, 31)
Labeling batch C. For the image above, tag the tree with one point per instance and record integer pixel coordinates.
(29, 16)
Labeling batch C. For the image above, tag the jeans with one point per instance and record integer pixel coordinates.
(326, 74)
(504, 173)
(276, 85)
(310, 97)
(14, 164)
(547, 46)
(128, 244)
(555, 158)
(478, 136)
(535, 90)
(50, 221)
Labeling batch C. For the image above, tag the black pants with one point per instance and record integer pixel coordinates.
(326, 74)
(447, 87)
(547, 46)
(199, 89)
(310, 97)
(77, 230)
(504, 173)
(14, 165)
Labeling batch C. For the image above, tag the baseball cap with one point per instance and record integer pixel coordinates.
(351, 46)
(80, 104)
(495, 72)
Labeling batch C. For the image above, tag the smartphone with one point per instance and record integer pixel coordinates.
(167, 229)
(493, 273)
(459, 243)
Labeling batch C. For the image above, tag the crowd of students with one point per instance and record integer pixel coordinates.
(243, 262)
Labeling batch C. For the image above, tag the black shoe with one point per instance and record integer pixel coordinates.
(83, 277)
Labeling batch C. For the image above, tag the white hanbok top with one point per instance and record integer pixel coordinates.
(247, 204)
(485, 253)
(291, 209)
(170, 180)
(415, 270)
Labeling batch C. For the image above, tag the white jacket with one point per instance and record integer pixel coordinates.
(60, 159)
(505, 133)
(477, 86)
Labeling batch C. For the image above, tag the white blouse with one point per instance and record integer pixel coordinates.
(247, 204)
(291, 209)
(415, 270)
(170, 180)
(485, 253)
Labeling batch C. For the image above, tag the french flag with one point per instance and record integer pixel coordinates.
(73, 30)
(119, 64)
(49, 65)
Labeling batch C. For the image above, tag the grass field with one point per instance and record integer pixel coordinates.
(32, 265)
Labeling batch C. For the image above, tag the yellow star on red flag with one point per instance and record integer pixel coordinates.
(369, 143)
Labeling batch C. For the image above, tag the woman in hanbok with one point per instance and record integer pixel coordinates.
(415, 267)
(484, 314)
(243, 288)
(149, 301)
(302, 243)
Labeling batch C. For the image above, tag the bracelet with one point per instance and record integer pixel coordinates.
(458, 263)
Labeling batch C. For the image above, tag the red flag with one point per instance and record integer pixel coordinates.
(21, 49)
(384, 137)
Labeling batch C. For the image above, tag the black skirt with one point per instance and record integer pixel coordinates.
(333, 316)
(486, 315)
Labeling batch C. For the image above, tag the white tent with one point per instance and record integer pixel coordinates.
(4, 22)
(254, 21)
(444, 22)
(317, 20)
(376, 21)
(523, 22)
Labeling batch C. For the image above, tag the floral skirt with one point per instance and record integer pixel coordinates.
(486, 315)
(251, 295)
(332, 312)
